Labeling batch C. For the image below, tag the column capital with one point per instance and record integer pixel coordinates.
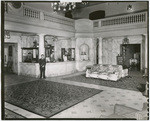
(144, 34)
(73, 38)
(100, 38)
(41, 34)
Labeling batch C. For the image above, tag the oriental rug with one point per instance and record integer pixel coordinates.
(46, 98)
(132, 83)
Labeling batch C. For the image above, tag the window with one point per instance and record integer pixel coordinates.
(49, 48)
(49, 53)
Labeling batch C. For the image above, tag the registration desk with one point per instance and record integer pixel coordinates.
(52, 69)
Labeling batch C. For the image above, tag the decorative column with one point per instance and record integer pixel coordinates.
(146, 54)
(41, 45)
(73, 45)
(96, 52)
(19, 54)
(100, 51)
(145, 93)
(73, 42)
(55, 39)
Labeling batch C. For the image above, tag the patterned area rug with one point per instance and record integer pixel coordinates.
(132, 83)
(46, 98)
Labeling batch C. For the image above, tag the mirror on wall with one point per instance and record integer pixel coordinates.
(30, 55)
(58, 49)
(68, 54)
(49, 48)
(84, 52)
(30, 49)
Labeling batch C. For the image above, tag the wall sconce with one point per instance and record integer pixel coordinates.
(125, 41)
(7, 34)
(54, 38)
(35, 44)
(129, 8)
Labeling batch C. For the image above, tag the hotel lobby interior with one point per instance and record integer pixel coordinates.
(96, 60)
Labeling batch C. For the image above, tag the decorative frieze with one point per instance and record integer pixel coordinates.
(57, 19)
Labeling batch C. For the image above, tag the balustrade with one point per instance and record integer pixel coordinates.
(113, 21)
(127, 19)
(31, 13)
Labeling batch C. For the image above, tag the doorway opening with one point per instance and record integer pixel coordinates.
(131, 56)
(11, 58)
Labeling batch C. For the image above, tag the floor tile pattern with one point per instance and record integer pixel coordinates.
(102, 105)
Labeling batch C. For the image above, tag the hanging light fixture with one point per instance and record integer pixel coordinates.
(125, 41)
(65, 6)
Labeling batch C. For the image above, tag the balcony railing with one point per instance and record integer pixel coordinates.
(42, 15)
(31, 13)
(135, 18)
(122, 20)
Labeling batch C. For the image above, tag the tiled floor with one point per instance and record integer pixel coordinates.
(98, 106)
(102, 105)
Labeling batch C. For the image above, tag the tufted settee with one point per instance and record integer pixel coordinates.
(107, 72)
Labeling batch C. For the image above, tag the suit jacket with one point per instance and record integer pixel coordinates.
(42, 62)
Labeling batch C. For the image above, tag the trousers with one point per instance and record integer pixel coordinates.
(42, 72)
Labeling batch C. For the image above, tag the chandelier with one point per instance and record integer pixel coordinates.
(65, 6)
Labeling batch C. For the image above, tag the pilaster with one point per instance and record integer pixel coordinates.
(41, 45)
(146, 49)
(100, 50)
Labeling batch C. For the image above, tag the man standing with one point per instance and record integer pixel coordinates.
(42, 63)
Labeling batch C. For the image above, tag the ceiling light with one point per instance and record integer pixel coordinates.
(65, 6)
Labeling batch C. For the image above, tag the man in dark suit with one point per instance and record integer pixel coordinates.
(42, 63)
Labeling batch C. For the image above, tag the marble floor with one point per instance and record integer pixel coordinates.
(98, 106)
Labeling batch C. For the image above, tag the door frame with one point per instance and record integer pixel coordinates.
(15, 61)
(140, 44)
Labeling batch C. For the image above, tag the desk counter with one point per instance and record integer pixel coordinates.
(52, 69)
